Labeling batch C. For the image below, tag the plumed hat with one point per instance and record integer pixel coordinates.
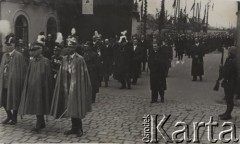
(10, 39)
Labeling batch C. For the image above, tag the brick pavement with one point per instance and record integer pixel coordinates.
(117, 118)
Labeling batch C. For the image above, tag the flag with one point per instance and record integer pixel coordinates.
(162, 16)
(174, 4)
(142, 10)
(204, 17)
(87, 7)
(193, 6)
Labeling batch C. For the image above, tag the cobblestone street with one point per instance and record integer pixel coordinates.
(117, 115)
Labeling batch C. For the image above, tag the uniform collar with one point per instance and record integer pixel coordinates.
(12, 52)
(38, 58)
(73, 55)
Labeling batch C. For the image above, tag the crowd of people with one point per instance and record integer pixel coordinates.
(62, 77)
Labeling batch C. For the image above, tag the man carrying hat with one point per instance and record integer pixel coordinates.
(73, 91)
(12, 75)
(37, 91)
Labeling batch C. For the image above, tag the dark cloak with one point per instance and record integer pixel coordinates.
(77, 102)
(37, 90)
(16, 76)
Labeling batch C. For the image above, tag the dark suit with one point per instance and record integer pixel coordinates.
(197, 54)
(92, 60)
(136, 64)
(157, 65)
(145, 46)
(123, 62)
(107, 61)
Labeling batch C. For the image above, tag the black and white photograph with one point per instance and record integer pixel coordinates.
(120, 71)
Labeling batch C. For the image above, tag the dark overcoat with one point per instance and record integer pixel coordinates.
(230, 75)
(107, 59)
(16, 77)
(145, 46)
(123, 62)
(76, 101)
(158, 66)
(92, 60)
(37, 89)
(138, 55)
(197, 54)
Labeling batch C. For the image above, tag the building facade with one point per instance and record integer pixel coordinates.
(109, 18)
(28, 18)
(238, 37)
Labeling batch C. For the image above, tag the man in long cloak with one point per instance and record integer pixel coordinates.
(73, 91)
(37, 91)
(12, 74)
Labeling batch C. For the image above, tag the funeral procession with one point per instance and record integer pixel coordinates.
(120, 71)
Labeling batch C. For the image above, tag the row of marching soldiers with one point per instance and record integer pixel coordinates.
(210, 41)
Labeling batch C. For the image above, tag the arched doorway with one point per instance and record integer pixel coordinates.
(21, 29)
(52, 26)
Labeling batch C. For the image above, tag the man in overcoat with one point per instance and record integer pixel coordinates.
(123, 61)
(37, 89)
(197, 54)
(12, 74)
(157, 66)
(229, 76)
(107, 60)
(92, 60)
(144, 44)
(137, 59)
(73, 91)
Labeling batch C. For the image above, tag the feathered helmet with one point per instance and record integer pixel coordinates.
(41, 38)
(10, 39)
(59, 42)
(72, 42)
(123, 36)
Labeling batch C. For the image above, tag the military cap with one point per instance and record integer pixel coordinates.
(232, 50)
(36, 46)
(58, 47)
(72, 42)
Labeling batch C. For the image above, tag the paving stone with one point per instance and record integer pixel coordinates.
(116, 117)
(53, 140)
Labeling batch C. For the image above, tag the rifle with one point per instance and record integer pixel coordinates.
(216, 87)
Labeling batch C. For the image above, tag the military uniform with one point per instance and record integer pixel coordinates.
(73, 91)
(56, 61)
(229, 83)
(12, 75)
(37, 90)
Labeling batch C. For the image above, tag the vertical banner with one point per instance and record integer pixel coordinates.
(87, 7)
